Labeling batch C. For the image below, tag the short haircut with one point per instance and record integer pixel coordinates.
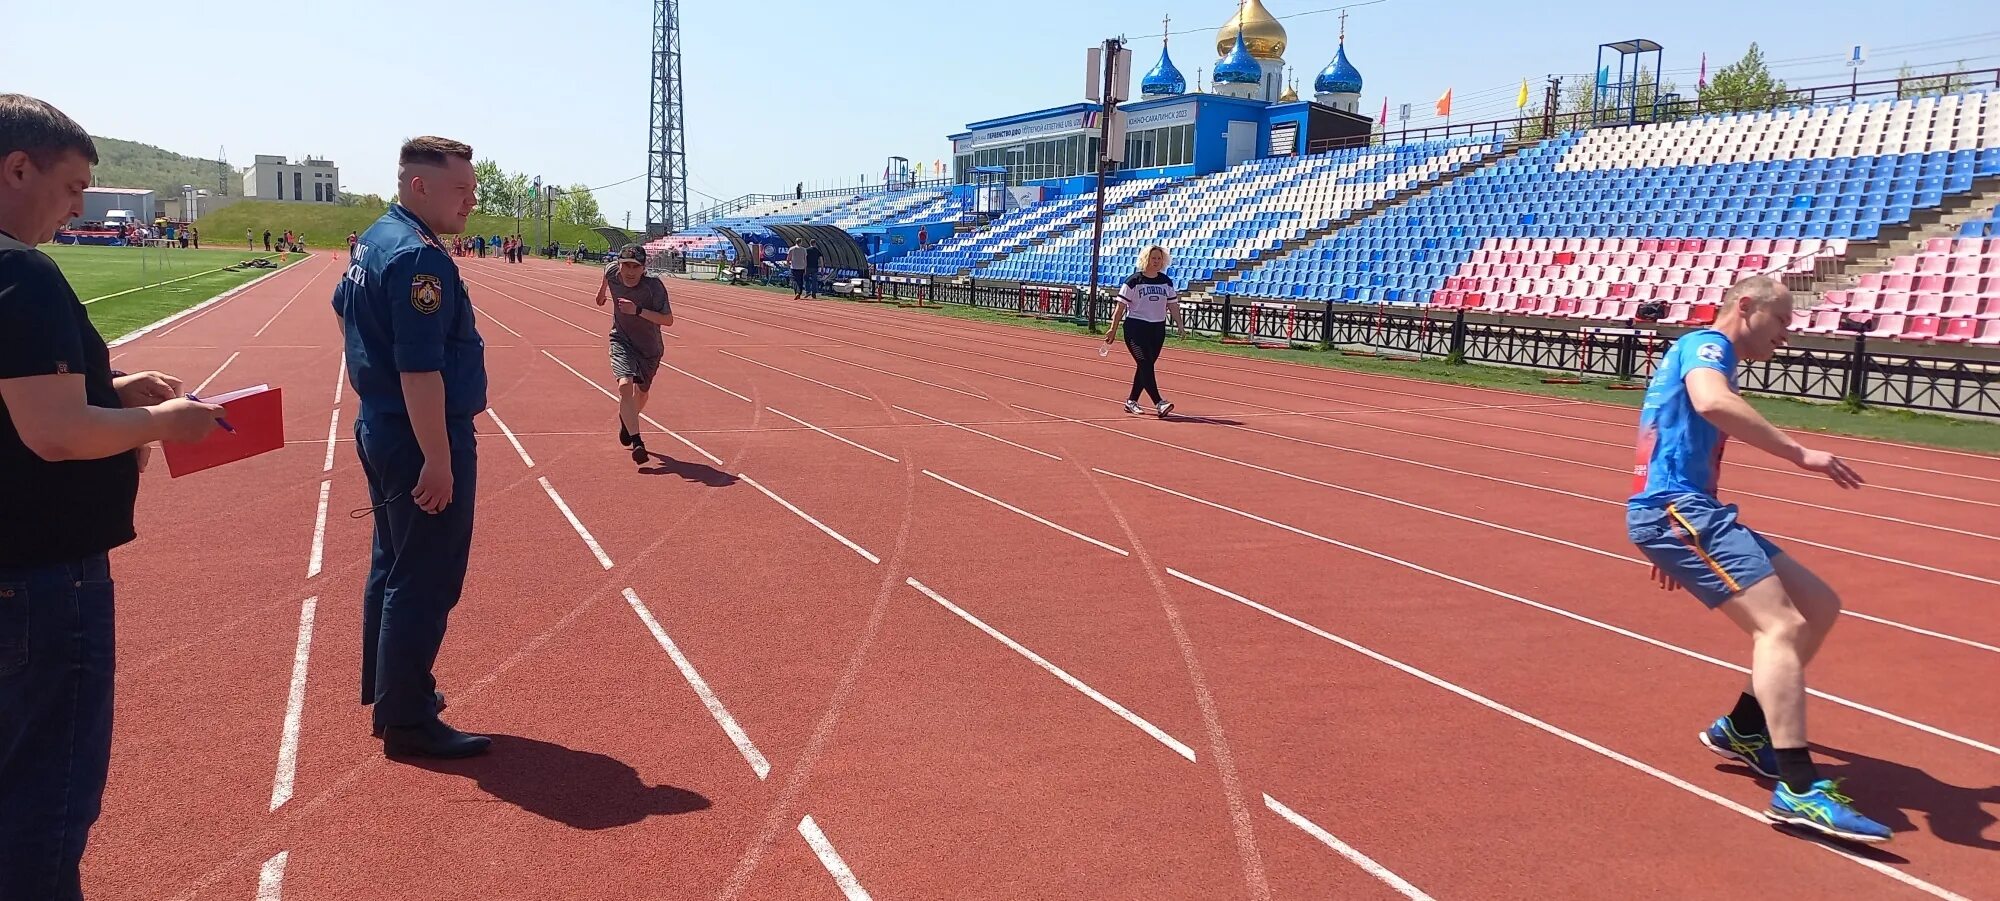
(41, 131)
(431, 150)
(1761, 288)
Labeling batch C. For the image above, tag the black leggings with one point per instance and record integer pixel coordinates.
(1144, 339)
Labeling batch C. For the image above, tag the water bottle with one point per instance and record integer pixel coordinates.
(1103, 350)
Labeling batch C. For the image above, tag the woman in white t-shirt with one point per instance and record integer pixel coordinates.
(1144, 305)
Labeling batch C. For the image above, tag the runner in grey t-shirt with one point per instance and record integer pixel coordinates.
(636, 345)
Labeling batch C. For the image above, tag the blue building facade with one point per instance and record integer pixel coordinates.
(1171, 132)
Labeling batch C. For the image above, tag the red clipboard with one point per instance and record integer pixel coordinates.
(258, 416)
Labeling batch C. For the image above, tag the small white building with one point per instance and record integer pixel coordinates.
(273, 178)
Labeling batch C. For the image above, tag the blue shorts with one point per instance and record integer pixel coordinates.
(1701, 544)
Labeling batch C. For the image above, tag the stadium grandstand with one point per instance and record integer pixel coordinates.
(1877, 208)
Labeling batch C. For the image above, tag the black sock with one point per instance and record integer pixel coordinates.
(1796, 769)
(1748, 717)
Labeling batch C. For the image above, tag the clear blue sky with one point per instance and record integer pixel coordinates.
(785, 90)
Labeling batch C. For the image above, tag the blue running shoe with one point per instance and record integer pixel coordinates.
(1753, 751)
(1824, 810)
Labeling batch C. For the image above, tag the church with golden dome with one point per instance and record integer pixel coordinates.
(1244, 106)
(1261, 54)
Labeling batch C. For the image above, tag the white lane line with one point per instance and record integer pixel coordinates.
(1543, 488)
(274, 316)
(829, 858)
(1920, 631)
(1582, 497)
(976, 432)
(896, 375)
(706, 382)
(535, 308)
(497, 322)
(1559, 611)
(808, 518)
(678, 437)
(614, 398)
(295, 709)
(271, 879)
(340, 384)
(1561, 733)
(1377, 497)
(701, 690)
(1156, 732)
(504, 430)
(332, 431)
(168, 325)
(721, 328)
(1000, 503)
(793, 374)
(832, 435)
(319, 531)
(1366, 863)
(198, 389)
(577, 524)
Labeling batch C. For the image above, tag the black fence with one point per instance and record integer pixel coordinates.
(1831, 370)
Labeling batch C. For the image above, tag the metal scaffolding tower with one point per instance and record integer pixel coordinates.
(666, 148)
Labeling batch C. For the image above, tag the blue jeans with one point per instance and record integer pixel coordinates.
(417, 568)
(56, 677)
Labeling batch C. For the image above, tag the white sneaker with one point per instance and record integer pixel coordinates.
(1132, 407)
(1165, 407)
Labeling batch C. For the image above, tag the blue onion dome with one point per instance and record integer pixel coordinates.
(1165, 78)
(1239, 67)
(1339, 76)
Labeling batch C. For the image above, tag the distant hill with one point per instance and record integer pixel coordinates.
(125, 164)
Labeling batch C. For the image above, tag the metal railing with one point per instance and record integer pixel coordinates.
(1546, 124)
(1852, 371)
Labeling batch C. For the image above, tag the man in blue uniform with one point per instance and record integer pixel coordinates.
(1697, 542)
(419, 367)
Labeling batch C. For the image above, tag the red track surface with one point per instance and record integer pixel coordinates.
(1456, 668)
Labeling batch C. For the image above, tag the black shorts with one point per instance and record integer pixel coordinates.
(628, 363)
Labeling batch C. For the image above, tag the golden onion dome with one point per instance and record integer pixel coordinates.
(1262, 34)
(1291, 94)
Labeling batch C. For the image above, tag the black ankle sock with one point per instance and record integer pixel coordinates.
(1748, 717)
(1796, 769)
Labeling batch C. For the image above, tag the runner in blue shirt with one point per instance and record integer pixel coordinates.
(1695, 541)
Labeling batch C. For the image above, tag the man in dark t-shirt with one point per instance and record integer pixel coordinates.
(636, 347)
(73, 439)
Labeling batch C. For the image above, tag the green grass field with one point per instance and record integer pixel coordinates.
(95, 272)
(1874, 422)
(327, 226)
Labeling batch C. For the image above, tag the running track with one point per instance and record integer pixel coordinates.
(910, 609)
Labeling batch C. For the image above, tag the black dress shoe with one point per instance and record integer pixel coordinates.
(439, 695)
(432, 739)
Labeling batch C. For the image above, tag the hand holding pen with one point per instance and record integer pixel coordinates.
(187, 420)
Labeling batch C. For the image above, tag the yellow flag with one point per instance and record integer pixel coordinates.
(1521, 99)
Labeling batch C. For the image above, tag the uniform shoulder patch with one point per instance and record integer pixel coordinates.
(426, 293)
(1710, 352)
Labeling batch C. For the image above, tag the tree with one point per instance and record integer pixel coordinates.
(1745, 84)
(1945, 83)
(501, 193)
(577, 206)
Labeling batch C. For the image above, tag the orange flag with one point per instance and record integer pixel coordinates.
(1444, 103)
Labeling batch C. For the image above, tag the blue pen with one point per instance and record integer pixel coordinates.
(218, 420)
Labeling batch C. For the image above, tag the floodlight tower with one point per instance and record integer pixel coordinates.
(666, 141)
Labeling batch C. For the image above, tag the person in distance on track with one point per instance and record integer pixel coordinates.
(1144, 304)
(418, 365)
(73, 440)
(636, 348)
(1695, 541)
